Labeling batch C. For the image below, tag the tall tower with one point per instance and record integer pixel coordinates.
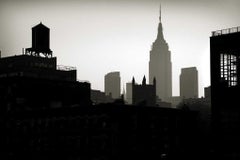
(225, 91)
(112, 84)
(160, 65)
(189, 82)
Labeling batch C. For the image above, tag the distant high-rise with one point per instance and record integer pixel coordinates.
(129, 93)
(189, 82)
(160, 65)
(207, 92)
(112, 84)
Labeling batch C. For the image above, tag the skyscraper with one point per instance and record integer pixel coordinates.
(112, 84)
(129, 93)
(225, 91)
(160, 65)
(189, 82)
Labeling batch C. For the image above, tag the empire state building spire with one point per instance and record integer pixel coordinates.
(160, 37)
(160, 65)
(160, 15)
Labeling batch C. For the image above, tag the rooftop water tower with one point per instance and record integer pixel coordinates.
(40, 41)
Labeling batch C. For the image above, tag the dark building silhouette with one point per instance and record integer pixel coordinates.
(160, 66)
(35, 67)
(100, 132)
(33, 90)
(34, 82)
(204, 139)
(144, 94)
(27, 81)
(112, 84)
(207, 93)
(40, 41)
(225, 91)
(189, 82)
(99, 97)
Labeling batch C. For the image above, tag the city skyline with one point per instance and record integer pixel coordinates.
(89, 31)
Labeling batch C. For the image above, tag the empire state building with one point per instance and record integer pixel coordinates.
(160, 65)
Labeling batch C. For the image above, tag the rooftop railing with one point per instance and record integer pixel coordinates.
(66, 68)
(226, 31)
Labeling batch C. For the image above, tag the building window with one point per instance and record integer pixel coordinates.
(228, 66)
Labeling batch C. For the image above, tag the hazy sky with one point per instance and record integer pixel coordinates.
(100, 36)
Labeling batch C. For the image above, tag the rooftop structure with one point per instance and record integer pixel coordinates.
(40, 41)
(226, 31)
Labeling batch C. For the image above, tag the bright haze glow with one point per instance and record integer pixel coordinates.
(100, 36)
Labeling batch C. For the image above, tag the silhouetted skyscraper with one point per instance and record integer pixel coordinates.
(225, 91)
(160, 65)
(189, 82)
(112, 84)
